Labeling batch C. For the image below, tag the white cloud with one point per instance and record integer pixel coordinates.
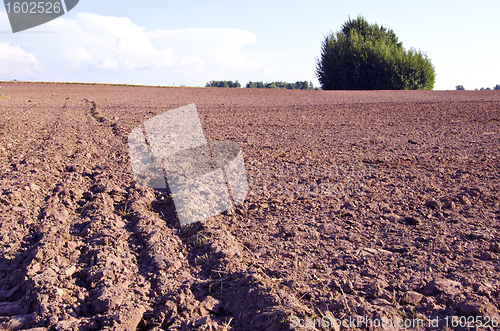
(109, 42)
(220, 48)
(95, 48)
(14, 61)
(112, 49)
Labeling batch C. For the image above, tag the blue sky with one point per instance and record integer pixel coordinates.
(194, 41)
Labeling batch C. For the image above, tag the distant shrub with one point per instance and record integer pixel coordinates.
(255, 85)
(223, 83)
(459, 88)
(299, 85)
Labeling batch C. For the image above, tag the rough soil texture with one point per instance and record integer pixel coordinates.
(376, 205)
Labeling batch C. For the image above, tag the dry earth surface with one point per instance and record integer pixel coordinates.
(375, 205)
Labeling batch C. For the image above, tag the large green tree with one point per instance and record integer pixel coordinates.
(363, 56)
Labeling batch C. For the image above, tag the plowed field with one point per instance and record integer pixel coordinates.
(365, 209)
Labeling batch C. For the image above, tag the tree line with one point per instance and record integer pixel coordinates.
(462, 88)
(299, 85)
(223, 83)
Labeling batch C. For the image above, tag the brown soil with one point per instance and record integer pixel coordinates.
(379, 205)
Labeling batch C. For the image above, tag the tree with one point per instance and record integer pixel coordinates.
(363, 56)
(459, 88)
(299, 85)
(497, 87)
(223, 83)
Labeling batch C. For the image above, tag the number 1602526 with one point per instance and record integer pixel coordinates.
(33, 7)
